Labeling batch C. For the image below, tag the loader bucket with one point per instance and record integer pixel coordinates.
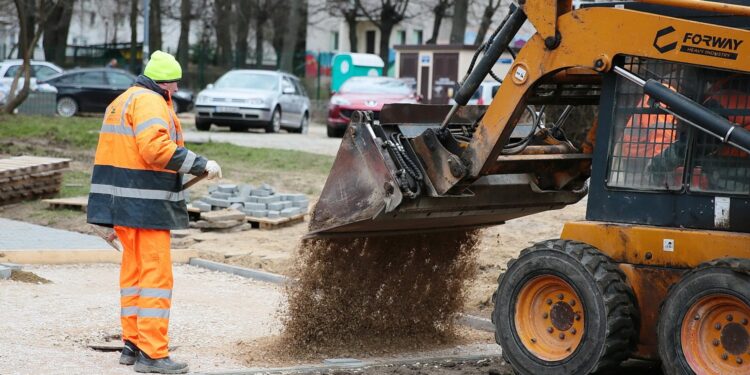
(366, 192)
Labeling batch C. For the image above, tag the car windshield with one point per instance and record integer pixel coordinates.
(375, 86)
(245, 80)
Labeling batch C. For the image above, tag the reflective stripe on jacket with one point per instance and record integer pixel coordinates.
(139, 163)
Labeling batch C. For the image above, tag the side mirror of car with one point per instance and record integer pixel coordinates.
(288, 90)
(210, 86)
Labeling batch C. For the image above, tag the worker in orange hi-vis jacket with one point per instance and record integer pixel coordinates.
(136, 189)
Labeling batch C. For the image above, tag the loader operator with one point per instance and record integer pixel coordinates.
(136, 189)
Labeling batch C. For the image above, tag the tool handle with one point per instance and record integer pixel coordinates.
(194, 181)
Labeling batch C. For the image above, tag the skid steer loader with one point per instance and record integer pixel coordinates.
(660, 268)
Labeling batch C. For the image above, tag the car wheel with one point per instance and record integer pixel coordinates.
(274, 125)
(176, 106)
(67, 107)
(202, 125)
(304, 125)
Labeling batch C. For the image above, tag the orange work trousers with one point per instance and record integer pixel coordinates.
(145, 288)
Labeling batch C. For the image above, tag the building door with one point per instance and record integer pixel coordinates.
(370, 41)
(407, 67)
(444, 77)
(424, 84)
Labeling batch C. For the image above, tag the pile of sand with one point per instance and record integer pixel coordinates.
(27, 277)
(372, 292)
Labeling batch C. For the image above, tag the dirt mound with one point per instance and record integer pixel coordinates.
(374, 292)
(27, 277)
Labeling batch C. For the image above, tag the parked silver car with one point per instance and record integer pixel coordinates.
(242, 99)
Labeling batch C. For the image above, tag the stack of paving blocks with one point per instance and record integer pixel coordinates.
(30, 177)
(260, 202)
(6, 270)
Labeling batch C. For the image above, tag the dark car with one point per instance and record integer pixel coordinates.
(92, 89)
(366, 94)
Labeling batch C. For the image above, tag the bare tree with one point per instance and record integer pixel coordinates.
(385, 15)
(348, 10)
(222, 15)
(133, 36)
(28, 38)
(55, 31)
(154, 26)
(290, 37)
(183, 46)
(484, 25)
(244, 11)
(460, 11)
(438, 10)
(262, 9)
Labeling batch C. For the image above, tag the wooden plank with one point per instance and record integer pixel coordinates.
(76, 203)
(266, 223)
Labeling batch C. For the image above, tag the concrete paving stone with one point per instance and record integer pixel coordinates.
(287, 204)
(179, 233)
(266, 186)
(284, 197)
(342, 361)
(260, 193)
(12, 266)
(287, 212)
(17, 235)
(223, 215)
(297, 197)
(258, 213)
(255, 206)
(236, 199)
(268, 199)
(273, 214)
(220, 195)
(277, 206)
(228, 188)
(204, 224)
(245, 190)
(251, 199)
(203, 206)
(222, 203)
(5, 273)
(301, 204)
(236, 205)
(212, 188)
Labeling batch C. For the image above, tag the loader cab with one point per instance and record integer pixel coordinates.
(651, 168)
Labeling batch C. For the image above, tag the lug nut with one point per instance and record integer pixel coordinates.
(569, 349)
(560, 296)
(717, 326)
(730, 318)
(572, 302)
(562, 336)
(533, 341)
(573, 331)
(545, 316)
(578, 317)
(697, 317)
(744, 322)
(739, 360)
(549, 301)
(715, 342)
(725, 356)
(550, 330)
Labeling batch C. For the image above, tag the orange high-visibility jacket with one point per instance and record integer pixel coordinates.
(647, 135)
(737, 101)
(139, 163)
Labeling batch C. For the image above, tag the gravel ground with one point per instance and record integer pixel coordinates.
(46, 329)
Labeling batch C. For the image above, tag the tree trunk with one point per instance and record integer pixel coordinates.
(439, 12)
(244, 10)
(134, 36)
(385, 39)
(55, 31)
(154, 26)
(460, 10)
(484, 25)
(27, 11)
(223, 12)
(290, 37)
(27, 48)
(259, 42)
(351, 22)
(183, 46)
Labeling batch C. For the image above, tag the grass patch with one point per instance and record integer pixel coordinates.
(77, 132)
(238, 158)
(75, 183)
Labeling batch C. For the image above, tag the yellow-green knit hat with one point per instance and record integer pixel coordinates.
(163, 68)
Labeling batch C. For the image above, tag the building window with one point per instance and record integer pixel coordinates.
(418, 36)
(335, 40)
(370, 41)
(401, 37)
(92, 19)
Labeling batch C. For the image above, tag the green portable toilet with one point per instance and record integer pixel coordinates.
(346, 65)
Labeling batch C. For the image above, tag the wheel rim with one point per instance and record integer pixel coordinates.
(549, 318)
(276, 120)
(305, 124)
(715, 335)
(66, 107)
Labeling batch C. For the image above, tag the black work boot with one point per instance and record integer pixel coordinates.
(144, 363)
(129, 353)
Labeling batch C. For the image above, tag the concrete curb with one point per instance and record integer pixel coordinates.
(52, 256)
(239, 271)
(323, 367)
(476, 322)
(5, 272)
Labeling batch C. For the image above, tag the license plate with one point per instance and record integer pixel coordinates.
(228, 109)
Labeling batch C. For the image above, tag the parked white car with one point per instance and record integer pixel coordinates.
(40, 70)
(484, 94)
(245, 98)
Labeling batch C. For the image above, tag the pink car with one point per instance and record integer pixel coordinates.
(366, 94)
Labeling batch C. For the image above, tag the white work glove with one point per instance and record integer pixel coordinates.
(213, 169)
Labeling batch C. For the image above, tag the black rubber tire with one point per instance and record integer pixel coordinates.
(202, 125)
(727, 276)
(273, 126)
(303, 125)
(610, 332)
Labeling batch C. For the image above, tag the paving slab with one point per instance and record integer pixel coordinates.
(17, 235)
